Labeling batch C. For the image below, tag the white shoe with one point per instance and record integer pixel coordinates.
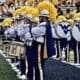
(53, 57)
(75, 64)
(64, 61)
(58, 58)
(17, 63)
(17, 70)
(8, 60)
(23, 77)
(19, 73)
(13, 64)
(10, 63)
(78, 66)
(14, 68)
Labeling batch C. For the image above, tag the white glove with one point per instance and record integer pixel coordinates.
(28, 36)
(40, 39)
(69, 38)
(29, 42)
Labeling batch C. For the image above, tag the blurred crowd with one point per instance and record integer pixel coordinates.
(64, 8)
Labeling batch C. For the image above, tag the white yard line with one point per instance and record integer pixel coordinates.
(1, 52)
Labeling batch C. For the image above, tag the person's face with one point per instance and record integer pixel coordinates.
(40, 18)
(26, 21)
(13, 23)
(17, 21)
(34, 24)
(43, 19)
(20, 20)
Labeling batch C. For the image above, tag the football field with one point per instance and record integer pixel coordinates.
(6, 72)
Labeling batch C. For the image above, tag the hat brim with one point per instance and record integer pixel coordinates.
(44, 16)
(34, 21)
(17, 18)
(28, 18)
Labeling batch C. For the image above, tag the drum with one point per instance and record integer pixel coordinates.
(1, 42)
(6, 47)
(76, 31)
(16, 49)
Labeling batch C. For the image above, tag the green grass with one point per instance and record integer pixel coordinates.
(6, 72)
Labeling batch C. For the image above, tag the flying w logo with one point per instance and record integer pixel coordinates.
(65, 28)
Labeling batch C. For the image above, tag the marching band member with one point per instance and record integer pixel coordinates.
(20, 37)
(7, 26)
(8, 33)
(71, 22)
(32, 52)
(11, 32)
(49, 40)
(16, 30)
(27, 23)
(63, 30)
(47, 13)
(75, 38)
(23, 33)
(56, 39)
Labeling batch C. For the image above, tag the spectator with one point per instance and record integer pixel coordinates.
(60, 12)
(78, 6)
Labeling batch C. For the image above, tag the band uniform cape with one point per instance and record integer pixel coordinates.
(49, 41)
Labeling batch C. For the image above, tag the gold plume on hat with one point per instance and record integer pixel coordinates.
(16, 12)
(61, 18)
(7, 21)
(35, 12)
(71, 21)
(77, 15)
(49, 7)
